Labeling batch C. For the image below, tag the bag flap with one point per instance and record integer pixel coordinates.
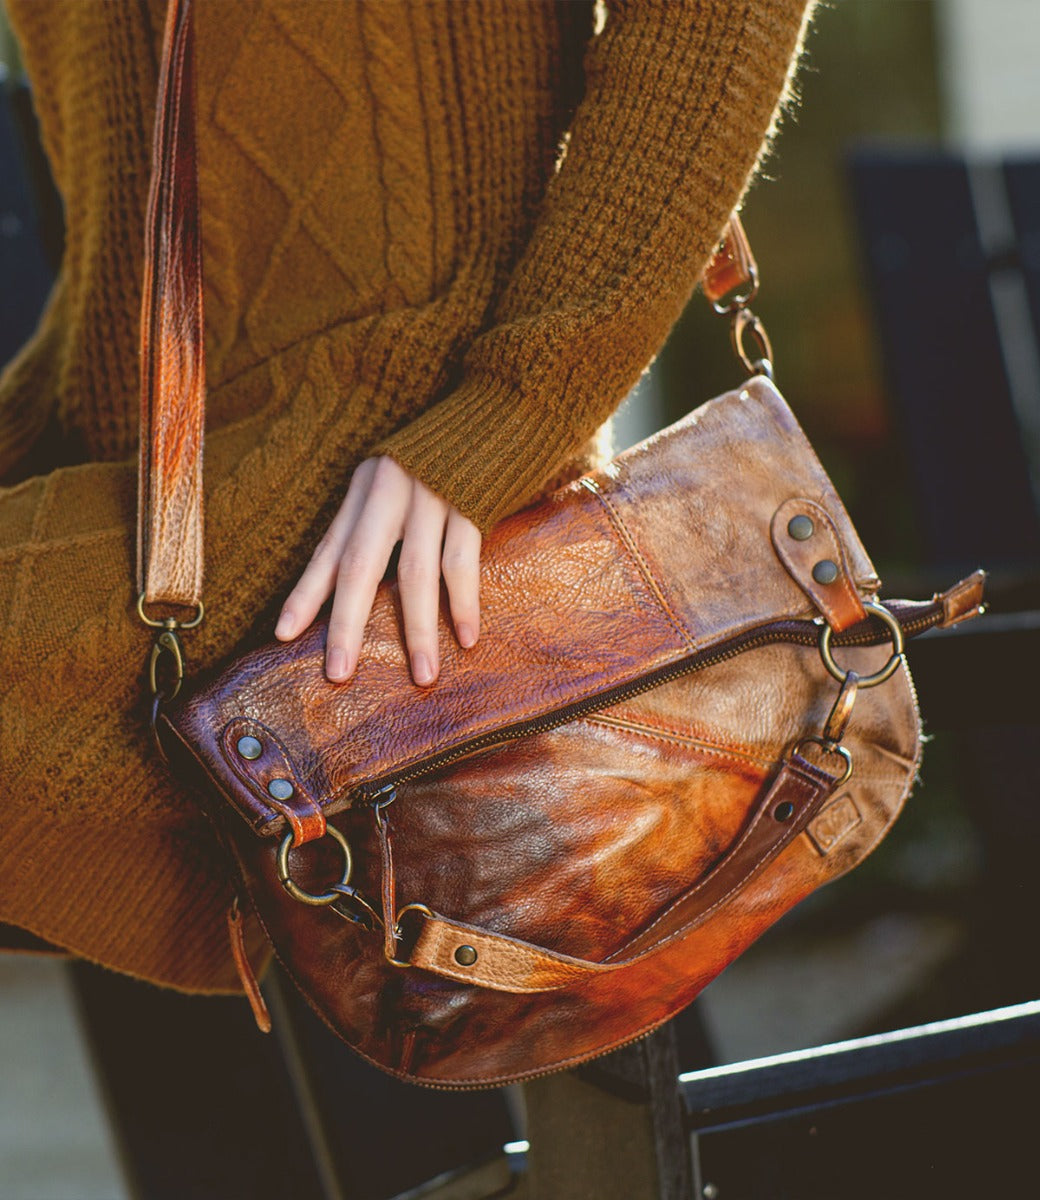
(662, 555)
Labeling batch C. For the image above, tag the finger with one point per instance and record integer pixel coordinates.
(460, 564)
(315, 585)
(419, 581)
(376, 531)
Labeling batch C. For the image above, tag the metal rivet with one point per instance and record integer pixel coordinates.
(281, 789)
(250, 747)
(801, 528)
(784, 811)
(825, 571)
(465, 956)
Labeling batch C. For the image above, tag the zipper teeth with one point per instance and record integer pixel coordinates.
(804, 633)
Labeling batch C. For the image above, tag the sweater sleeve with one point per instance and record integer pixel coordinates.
(679, 100)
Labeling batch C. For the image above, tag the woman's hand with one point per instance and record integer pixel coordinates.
(385, 505)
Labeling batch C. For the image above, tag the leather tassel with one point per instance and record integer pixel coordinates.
(389, 884)
(250, 986)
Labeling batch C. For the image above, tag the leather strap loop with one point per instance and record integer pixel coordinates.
(468, 954)
(814, 557)
(169, 512)
(962, 601)
(730, 280)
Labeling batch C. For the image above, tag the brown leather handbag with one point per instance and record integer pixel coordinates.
(688, 711)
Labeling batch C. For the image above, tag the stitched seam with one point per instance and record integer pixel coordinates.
(673, 737)
(741, 757)
(628, 541)
(736, 887)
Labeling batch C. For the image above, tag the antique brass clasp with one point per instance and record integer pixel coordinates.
(167, 643)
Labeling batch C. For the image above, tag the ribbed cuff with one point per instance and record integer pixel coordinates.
(485, 448)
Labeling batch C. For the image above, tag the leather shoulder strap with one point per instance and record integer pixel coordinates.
(173, 386)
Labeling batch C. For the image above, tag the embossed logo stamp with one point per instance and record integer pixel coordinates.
(837, 819)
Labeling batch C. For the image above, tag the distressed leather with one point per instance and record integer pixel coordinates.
(625, 572)
(173, 385)
(963, 601)
(510, 965)
(578, 840)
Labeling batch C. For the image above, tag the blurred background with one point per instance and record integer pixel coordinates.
(897, 229)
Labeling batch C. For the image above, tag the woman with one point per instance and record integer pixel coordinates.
(402, 277)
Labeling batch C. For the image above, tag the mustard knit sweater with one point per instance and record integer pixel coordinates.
(452, 231)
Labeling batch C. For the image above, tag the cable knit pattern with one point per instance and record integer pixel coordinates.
(608, 268)
(396, 261)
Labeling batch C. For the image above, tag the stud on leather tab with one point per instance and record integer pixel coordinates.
(280, 789)
(801, 527)
(274, 787)
(825, 571)
(250, 747)
(806, 541)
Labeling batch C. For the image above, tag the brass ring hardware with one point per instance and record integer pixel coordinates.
(297, 892)
(828, 747)
(745, 323)
(169, 622)
(889, 669)
(398, 962)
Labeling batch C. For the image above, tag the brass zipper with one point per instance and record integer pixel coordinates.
(801, 633)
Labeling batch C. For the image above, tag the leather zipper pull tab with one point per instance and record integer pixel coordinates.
(388, 890)
(246, 975)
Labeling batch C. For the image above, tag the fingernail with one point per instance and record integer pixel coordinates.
(286, 624)
(422, 672)
(336, 663)
(467, 635)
